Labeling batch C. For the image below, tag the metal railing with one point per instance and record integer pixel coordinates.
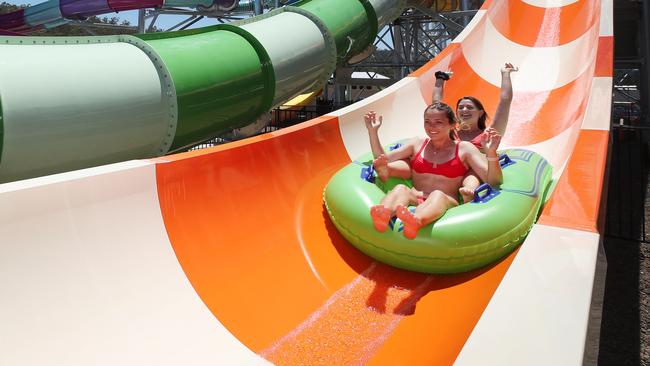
(281, 117)
(288, 116)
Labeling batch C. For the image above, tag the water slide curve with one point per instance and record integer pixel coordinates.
(226, 255)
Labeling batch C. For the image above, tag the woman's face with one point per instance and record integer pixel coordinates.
(468, 112)
(436, 124)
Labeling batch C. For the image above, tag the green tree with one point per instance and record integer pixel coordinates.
(5, 7)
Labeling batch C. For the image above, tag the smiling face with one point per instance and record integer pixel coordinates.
(437, 124)
(468, 112)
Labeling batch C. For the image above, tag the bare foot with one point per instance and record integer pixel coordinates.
(381, 167)
(467, 193)
(411, 223)
(380, 217)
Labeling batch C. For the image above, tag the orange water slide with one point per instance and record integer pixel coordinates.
(307, 293)
(227, 256)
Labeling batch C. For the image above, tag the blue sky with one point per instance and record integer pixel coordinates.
(164, 21)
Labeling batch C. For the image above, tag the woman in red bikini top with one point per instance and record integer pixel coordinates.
(473, 118)
(438, 165)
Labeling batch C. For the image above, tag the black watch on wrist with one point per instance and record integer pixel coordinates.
(442, 75)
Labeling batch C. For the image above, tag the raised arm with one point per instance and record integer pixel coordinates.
(373, 122)
(505, 99)
(489, 170)
(439, 86)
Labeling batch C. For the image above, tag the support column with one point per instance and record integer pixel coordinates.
(141, 28)
(464, 6)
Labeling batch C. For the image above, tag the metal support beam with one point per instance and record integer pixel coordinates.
(153, 22)
(400, 56)
(408, 43)
(184, 22)
(464, 6)
(449, 23)
(141, 14)
(191, 23)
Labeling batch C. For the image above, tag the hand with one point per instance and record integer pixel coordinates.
(508, 68)
(372, 122)
(490, 140)
(444, 75)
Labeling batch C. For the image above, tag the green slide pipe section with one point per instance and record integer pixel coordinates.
(69, 103)
(352, 23)
(302, 65)
(88, 101)
(223, 78)
(386, 11)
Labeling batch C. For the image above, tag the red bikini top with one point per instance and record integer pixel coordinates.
(476, 141)
(451, 169)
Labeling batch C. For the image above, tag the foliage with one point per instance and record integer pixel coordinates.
(5, 7)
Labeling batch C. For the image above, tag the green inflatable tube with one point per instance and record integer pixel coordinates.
(466, 237)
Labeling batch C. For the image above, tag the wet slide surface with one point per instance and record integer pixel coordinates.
(230, 252)
(308, 294)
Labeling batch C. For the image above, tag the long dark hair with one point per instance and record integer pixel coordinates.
(479, 105)
(451, 116)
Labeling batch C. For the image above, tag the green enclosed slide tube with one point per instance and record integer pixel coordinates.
(211, 98)
(74, 102)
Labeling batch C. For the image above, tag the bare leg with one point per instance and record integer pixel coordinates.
(381, 213)
(470, 183)
(397, 169)
(401, 195)
(427, 212)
